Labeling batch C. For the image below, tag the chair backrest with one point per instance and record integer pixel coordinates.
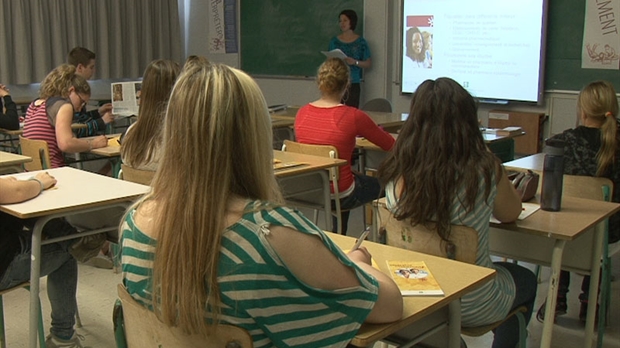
(425, 239)
(138, 176)
(143, 329)
(314, 150)
(38, 151)
(378, 104)
(587, 187)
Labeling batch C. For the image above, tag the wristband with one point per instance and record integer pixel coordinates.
(90, 145)
(39, 181)
(357, 62)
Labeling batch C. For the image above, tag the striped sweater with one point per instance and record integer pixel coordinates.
(258, 292)
(492, 301)
(39, 126)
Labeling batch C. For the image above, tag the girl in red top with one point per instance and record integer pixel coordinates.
(328, 122)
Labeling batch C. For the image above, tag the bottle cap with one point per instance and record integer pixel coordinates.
(554, 147)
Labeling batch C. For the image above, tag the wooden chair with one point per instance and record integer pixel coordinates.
(2, 333)
(424, 239)
(38, 151)
(378, 104)
(142, 328)
(334, 176)
(138, 176)
(598, 189)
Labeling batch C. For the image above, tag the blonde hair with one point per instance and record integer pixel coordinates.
(333, 76)
(145, 135)
(58, 82)
(598, 100)
(217, 147)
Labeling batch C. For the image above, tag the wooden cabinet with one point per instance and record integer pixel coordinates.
(530, 122)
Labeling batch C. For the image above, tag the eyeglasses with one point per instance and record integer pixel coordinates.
(82, 101)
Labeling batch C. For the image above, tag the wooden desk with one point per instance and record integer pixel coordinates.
(307, 180)
(541, 239)
(112, 152)
(384, 119)
(389, 120)
(9, 160)
(372, 155)
(12, 135)
(455, 278)
(20, 131)
(76, 192)
(533, 162)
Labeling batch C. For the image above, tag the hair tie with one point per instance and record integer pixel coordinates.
(608, 114)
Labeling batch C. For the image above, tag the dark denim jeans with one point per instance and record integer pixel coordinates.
(59, 267)
(507, 334)
(366, 190)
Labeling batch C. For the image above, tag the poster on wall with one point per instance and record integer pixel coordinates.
(222, 37)
(601, 39)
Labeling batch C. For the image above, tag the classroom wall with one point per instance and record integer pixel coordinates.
(382, 31)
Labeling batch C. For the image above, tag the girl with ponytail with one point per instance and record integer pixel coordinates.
(591, 149)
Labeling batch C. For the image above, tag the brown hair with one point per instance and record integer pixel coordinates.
(333, 76)
(598, 100)
(58, 82)
(80, 55)
(145, 135)
(439, 151)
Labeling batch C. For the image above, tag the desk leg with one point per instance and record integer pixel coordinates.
(35, 271)
(454, 324)
(327, 194)
(594, 278)
(552, 294)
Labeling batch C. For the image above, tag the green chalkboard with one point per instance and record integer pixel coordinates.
(563, 70)
(285, 37)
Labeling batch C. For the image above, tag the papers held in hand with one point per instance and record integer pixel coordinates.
(336, 53)
(125, 97)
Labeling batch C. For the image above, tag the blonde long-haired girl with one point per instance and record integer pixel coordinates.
(591, 149)
(212, 241)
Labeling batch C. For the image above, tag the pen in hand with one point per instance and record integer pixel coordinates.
(359, 241)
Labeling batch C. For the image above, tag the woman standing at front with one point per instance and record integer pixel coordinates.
(357, 51)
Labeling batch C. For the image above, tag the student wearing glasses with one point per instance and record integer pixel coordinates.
(50, 116)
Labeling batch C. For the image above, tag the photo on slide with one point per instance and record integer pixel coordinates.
(419, 41)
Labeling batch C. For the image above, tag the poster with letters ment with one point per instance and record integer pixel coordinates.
(601, 37)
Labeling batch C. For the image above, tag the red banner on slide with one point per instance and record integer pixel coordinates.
(420, 21)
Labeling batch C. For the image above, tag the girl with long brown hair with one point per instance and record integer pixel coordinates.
(142, 141)
(441, 172)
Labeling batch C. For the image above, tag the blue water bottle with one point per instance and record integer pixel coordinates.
(553, 176)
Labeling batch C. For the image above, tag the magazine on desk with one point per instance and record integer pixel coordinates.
(414, 278)
(125, 98)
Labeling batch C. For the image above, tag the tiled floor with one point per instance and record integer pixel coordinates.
(97, 293)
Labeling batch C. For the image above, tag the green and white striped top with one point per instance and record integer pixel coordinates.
(492, 301)
(258, 292)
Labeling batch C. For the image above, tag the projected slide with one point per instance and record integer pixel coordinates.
(492, 48)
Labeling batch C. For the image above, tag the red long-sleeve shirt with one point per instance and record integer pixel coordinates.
(338, 126)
